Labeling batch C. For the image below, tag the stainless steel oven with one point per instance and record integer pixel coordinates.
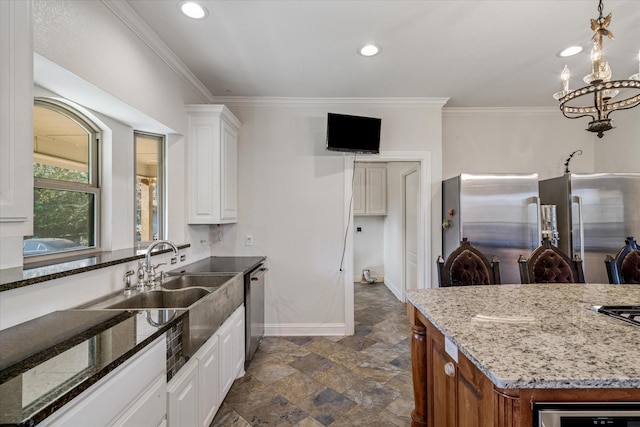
(586, 414)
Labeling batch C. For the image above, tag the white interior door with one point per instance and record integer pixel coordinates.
(411, 186)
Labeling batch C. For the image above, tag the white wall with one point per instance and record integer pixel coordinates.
(535, 140)
(369, 246)
(293, 200)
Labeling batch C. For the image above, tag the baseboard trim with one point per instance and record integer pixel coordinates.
(304, 329)
(359, 279)
(394, 290)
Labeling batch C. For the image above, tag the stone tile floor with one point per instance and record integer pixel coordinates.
(360, 380)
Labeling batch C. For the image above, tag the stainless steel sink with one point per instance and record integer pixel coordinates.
(161, 299)
(210, 300)
(198, 281)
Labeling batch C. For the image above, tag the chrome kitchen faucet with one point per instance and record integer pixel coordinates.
(146, 271)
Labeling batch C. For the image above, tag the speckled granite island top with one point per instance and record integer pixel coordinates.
(539, 336)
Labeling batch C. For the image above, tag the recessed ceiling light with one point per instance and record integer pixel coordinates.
(193, 9)
(570, 51)
(369, 50)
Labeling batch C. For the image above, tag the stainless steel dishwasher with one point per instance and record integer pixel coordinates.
(254, 310)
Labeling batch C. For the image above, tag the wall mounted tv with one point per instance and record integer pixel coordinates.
(354, 134)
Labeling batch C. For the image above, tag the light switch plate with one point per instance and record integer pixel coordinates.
(248, 240)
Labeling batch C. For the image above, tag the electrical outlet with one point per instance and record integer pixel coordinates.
(248, 240)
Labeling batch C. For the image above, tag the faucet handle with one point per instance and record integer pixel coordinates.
(127, 281)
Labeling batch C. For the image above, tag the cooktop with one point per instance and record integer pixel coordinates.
(627, 313)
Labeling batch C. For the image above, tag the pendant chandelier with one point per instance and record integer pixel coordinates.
(601, 96)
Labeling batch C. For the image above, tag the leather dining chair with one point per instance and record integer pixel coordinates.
(466, 265)
(548, 264)
(624, 268)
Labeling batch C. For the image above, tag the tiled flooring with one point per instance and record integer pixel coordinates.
(361, 380)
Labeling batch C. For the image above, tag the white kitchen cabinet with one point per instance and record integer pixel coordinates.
(209, 381)
(370, 190)
(182, 397)
(134, 394)
(150, 409)
(16, 119)
(212, 158)
(231, 341)
(196, 392)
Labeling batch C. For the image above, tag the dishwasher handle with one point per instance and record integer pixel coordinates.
(258, 273)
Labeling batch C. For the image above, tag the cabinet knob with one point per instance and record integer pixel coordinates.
(450, 369)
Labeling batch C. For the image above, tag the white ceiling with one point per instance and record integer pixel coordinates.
(478, 53)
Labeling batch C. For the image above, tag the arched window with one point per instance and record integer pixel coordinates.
(66, 188)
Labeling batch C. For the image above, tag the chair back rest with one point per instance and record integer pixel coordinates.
(468, 266)
(548, 264)
(625, 267)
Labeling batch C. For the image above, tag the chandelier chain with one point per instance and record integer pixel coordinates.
(600, 9)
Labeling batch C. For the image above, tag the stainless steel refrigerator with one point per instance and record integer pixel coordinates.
(595, 213)
(498, 213)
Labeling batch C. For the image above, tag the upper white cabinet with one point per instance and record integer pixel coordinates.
(16, 119)
(212, 158)
(370, 190)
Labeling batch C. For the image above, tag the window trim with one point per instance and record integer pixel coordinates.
(94, 173)
(162, 194)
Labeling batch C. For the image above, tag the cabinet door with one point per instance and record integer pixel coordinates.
(456, 390)
(359, 193)
(16, 119)
(209, 377)
(150, 409)
(227, 360)
(376, 189)
(119, 391)
(182, 397)
(443, 391)
(229, 173)
(212, 152)
(238, 341)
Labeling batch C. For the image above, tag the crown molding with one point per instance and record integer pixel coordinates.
(468, 111)
(315, 102)
(134, 22)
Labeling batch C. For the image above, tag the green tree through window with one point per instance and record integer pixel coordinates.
(66, 194)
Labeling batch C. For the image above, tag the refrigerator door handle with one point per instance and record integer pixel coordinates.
(578, 200)
(536, 201)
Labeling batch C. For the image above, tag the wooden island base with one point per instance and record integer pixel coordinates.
(450, 394)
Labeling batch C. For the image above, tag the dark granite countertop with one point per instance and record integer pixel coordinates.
(221, 264)
(18, 277)
(46, 362)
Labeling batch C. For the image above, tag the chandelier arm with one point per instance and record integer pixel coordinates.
(578, 117)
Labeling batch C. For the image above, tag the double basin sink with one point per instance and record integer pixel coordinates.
(210, 299)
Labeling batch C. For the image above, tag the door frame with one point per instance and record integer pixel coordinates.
(424, 222)
(404, 226)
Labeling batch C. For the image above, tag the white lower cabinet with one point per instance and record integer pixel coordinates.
(182, 397)
(231, 341)
(209, 388)
(134, 394)
(196, 392)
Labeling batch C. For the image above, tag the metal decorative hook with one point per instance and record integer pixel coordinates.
(566, 164)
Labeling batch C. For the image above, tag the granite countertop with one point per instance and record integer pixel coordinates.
(221, 264)
(46, 362)
(539, 336)
(12, 278)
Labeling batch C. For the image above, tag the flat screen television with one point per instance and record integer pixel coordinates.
(354, 134)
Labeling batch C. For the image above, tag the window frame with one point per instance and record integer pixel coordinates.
(92, 187)
(160, 182)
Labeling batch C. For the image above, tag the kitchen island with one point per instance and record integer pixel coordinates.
(481, 355)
